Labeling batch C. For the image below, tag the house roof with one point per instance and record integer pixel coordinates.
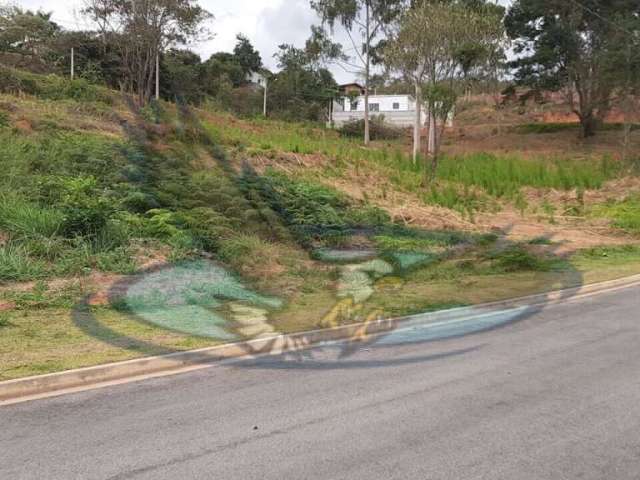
(353, 84)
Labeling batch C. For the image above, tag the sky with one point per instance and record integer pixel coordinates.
(267, 23)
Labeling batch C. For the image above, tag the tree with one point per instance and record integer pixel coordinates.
(27, 39)
(573, 46)
(26, 32)
(223, 66)
(141, 30)
(302, 89)
(95, 60)
(246, 56)
(182, 76)
(426, 49)
(368, 18)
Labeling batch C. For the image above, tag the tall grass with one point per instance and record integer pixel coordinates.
(15, 264)
(498, 176)
(505, 176)
(26, 220)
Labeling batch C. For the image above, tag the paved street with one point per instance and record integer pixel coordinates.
(554, 396)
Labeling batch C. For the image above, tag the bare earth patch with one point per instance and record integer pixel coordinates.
(571, 236)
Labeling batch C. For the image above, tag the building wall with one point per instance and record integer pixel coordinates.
(385, 102)
(398, 119)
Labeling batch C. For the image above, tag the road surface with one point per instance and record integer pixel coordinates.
(554, 396)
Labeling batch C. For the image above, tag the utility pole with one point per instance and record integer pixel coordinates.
(158, 76)
(264, 103)
(73, 63)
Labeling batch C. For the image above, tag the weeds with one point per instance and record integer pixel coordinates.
(625, 214)
(543, 128)
(379, 129)
(4, 319)
(516, 258)
(16, 265)
(23, 219)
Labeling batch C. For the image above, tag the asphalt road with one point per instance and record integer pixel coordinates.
(555, 396)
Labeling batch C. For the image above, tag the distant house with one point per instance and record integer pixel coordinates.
(398, 110)
(350, 89)
(257, 80)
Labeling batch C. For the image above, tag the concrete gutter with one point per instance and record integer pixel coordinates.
(42, 386)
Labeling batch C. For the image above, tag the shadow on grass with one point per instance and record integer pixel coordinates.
(187, 298)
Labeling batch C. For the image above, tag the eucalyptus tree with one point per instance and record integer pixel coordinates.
(426, 49)
(365, 18)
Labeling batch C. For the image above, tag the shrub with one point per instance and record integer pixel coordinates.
(367, 216)
(378, 129)
(516, 258)
(15, 82)
(206, 226)
(51, 87)
(305, 203)
(85, 209)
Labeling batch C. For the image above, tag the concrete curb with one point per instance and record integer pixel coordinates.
(30, 388)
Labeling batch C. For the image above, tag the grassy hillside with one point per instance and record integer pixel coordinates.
(127, 231)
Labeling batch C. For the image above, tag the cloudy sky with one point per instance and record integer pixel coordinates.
(267, 23)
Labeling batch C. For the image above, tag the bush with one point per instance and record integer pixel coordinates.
(516, 258)
(378, 129)
(85, 209)
(306, 203)
(206, 226)
(51, 87)
(15, 82)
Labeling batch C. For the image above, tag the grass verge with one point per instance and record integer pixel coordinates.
(43, 335)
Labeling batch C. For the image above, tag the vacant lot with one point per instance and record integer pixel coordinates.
(127, 232)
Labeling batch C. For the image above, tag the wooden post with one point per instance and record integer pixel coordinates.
(73, 63)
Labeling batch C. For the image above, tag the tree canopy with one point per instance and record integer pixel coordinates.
(586, 47)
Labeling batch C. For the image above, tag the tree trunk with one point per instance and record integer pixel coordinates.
(417, 124)
(431, 146)
(589, 124)
(367, 134)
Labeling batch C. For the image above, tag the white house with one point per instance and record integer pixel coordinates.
(256, 79)
(398, 110)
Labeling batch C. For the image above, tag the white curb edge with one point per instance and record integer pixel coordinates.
(42, 386)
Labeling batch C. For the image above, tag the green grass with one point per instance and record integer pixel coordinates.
(176, 197)
(543, 128)
(516, 258)
(23, 219)
(498, 176)
(505, 176)
(51, 87)
(624, 214)
(16, 264)
(41, 296)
